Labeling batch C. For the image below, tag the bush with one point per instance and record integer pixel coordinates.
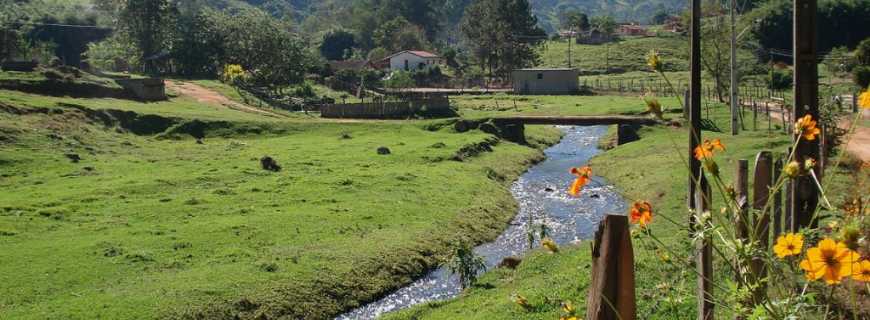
(861, 76)
(780, 79)
(304, 90)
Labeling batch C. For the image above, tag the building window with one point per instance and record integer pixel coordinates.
(540, 76)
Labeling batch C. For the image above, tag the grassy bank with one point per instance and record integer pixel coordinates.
(142, 227)
(650, 169)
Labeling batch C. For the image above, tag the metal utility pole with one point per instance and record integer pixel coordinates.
(805, 194)
(734, 86)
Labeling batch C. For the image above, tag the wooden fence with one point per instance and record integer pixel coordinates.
(612, 289)
(387, 110)
(661, 88)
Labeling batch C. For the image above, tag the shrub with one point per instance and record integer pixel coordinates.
(780, 79)
(304, 90)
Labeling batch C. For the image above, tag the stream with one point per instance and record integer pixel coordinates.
(542, 194)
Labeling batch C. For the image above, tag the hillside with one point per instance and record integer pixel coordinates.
(548, 11)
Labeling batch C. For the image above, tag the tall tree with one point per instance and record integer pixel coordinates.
(147, 23)
(502, 34)
(337, 44)
(575, 20)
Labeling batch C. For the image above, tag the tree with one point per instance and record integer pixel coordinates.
(716, 54)
(400, 34)
(147, 22)
(197, 43)
(253, 39)
(501, 35)
(337, 45)
(576, 21)
(604, 24)
(840, 23)
(660, 17)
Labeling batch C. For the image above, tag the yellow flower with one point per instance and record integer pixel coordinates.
(568, 318)
(861, 271)
(809, 164)
(654, 61)
(864, 99)
(788, 245)
(550, 245)
(830, 260)
(806, 127)
(792, 169)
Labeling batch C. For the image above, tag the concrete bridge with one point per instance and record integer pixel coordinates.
(512, 128)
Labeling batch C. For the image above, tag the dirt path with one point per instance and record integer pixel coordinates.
(208, 96)
(858, 143)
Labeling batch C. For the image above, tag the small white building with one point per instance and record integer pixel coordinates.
(553, 81)
(410, 60)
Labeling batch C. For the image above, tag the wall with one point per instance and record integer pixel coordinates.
(145, 89)
(553, 82)
(386, 110)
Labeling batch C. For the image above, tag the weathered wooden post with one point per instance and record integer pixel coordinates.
(805, 195)
(705, 257)
(741, 222)
(697, 199)
(754, 116)
(612, 290)
(761, 185)
(741, 191)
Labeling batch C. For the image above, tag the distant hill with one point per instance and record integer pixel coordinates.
(549, 11)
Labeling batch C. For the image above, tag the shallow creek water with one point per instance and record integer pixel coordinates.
(542, 194)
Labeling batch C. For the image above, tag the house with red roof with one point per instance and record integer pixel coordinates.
(410, 60)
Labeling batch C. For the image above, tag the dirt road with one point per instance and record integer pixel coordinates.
(208, 96)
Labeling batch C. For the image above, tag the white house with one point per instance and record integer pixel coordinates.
(409, 60)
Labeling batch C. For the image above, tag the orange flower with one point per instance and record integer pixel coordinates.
(806, 127)
(705, 150)
(583, 174)
(830, 260)
(788, 245)
(641, 212)
(861, 271)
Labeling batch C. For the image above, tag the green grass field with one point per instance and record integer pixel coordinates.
(144, 227)
(628, 54)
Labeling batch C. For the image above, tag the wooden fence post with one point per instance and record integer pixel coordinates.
(612, 290)
(805, 194)
(761, 184)
(705, 257)
(741, 190)
(741, 223)
(754, 116)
